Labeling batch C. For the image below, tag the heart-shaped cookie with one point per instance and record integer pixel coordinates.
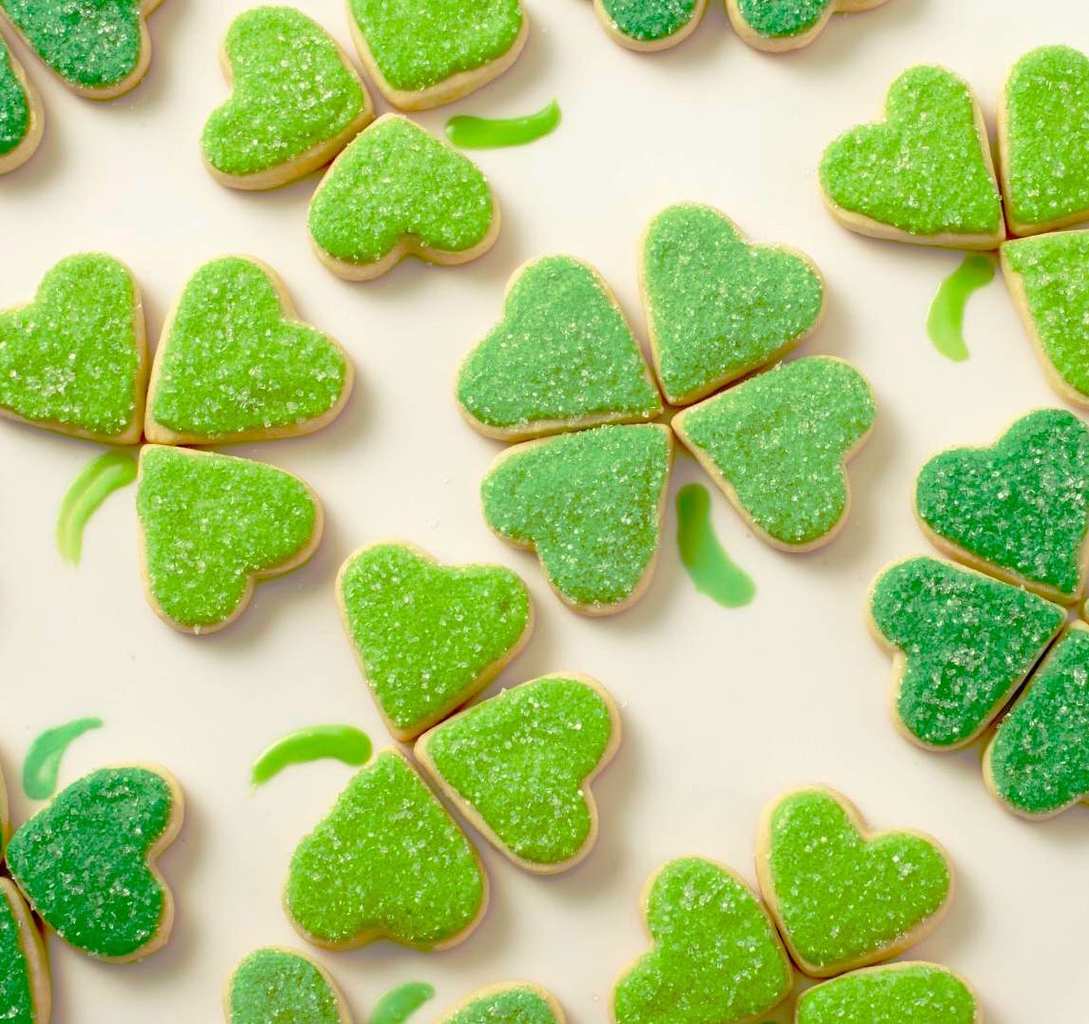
(590, 504)
(277, 986)
(211, 526)
(429, 637)
(962, 643)
(1018, 510)
(717, 958)
(388, 862)
(778, 445)
(780, 25)
(86, 863)
(296, 101)
(649, 25)
(717, 307)
(22, 116)
(520, 765)
(235, 363)
(844, 897)
(925, 174)
(75, 359)
(25, 992)
(516, 1002)
(398, 191)
(562, 358)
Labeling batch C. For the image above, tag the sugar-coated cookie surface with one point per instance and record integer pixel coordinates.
(650, 24)
(387, 862)
(25, 994)
(779, 25)
(277, 986)
(511, 1003)
(22, 117)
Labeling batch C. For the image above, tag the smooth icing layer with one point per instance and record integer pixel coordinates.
(273, 986)
(42, 762)
(102, 476)
(397, 1005)
(945, 321)
(344, 743)
(14, 105)
(470, 132)
(712, 570)
(912, 993)
(649, 21)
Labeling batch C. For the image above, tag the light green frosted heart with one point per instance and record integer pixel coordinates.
(275, 986)
(508, 1004)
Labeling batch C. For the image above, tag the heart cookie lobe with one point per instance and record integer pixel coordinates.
(777, 26)
(924, 175)
(650, 25)
(517, 1001)
(1018, 510)
(844, 897)
(717, 307)
(388, 862)
(22, 116)
(25, 990)
(716, 959)
(86, 863)
(962, 645)
(235, 363)
(429, 637)
(272, 985)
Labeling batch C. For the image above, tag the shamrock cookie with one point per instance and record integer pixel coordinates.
(276, 985)
(296, 102)
(780, 25)
(717, 307)
(590, 504)
(649, 25)
(1018, 510)
(429, 637)
(75, 359)
(520, 765)
(235, 363)
(844, 897)
(398, 191)
(778, 445)
(925, 174)
(22, 117)
(962, 645)
(716, 959)
(387, 863)
(25, 993)
(86, 863)
(212, 526)
(516, 1002)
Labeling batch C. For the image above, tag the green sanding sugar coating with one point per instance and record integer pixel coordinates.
(292, 92)
(387, 862)
(779, 441)
(716, 957)
(648, 21)
(590, 503)
(968, 642)
(843, 899)
(779, 19)
(16, 996)
(429, 635)
(210, 522)
(395, 181)
(71, 357)
(273, 986)
(397, 1005)
(909, 994)
(1021, 505)
(14, 105)
(520, 760)
(514, 1005)
(718, 307)
(82, 862)
(233, 364)
(925, 170)
(417, 44)
(1039, 761)
(563, 354)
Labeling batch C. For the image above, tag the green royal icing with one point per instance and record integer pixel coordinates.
(428, 635)
(967, 642)
(16, 993)
(516, 1004)
(779, 441)
(563, 356)
(70, 357)
(590, 503)
(82, 862)
(924, 171)
(842, 899)
(780, 19)
(712, 570)
(945, 321)
(716, 959)
(292, 91)
(14, 105)
(102, 476)
(387, 862)
(396, 181)
(400, 1003)
(470, 132)
(898, 994)
(1020, 506)
(273, 986)
(42, 763)
(210, 523)
(344, 743)
(648, 21)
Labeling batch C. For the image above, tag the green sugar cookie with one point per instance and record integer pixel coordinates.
(716, 959)
(515, 1003)
(778, 445)
(780, 25)
(75, 359)
(398, 191)
(25, 993)
(1018, 510)
(648, 25)
(211, 526)
(387, 863)
(429, 637)
(86, 863)
(562, 358)
(236, 364)
(276, 986)
(520, 765)
(844, 897)
(925, 174)
(717, 307)
(22, 117)
(590, 504)
(962, 642)
(296, 101)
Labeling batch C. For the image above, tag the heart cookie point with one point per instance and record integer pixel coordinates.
(22, 116)
(272, 985)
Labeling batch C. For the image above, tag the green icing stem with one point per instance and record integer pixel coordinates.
(16, 994)
(649, 21)
(912, 993)
(945, 321)
(341, 742)
(397, 1005)
(779, 19)
(514, 1005)
(494, 133)
(274, 986)
(42, 763)
(98, 480)
(14, 105)
(711, 569)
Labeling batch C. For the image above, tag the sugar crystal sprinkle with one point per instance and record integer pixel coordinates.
(648, 21)
(516, 1004)
(14, 105)
(778, 19)
(16, 995)
(274, 986)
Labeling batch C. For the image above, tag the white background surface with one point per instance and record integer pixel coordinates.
(723, 709)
